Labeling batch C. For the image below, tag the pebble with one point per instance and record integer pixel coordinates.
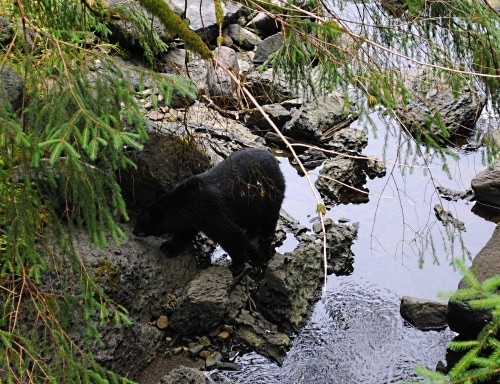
(195, 348)
(213, 359)
(224, 335)
(162, 322)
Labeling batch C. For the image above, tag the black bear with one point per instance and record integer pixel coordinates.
(234, 202)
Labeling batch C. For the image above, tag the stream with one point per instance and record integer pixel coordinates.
(355, 333)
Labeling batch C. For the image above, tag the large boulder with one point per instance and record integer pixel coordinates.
(486, 186)
(434, 97)
(423, 314)
(461, 317)
(205, 302)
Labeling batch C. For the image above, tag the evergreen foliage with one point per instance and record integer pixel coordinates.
(59, 155)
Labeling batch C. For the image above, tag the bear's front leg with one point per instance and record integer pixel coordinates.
(179, 241)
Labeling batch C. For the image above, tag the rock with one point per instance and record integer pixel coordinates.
(201, 16)
(267, 88)
(339, 239)
(267, 47)
(177, 62)
(265, 25)
(424, 314)
(431, 97)
(313, 118)
(342, 179)
(214, 133)
(461, 317)
(447, 218)
(205, 302)
(262, 336)
(213, 359)
(184, 375)
(278, 114)
(129, 350)
(222, 89)
(290, 285)
(136, 275)
(242, 36)
(162, 322)
(486, 185)
(11, 88)
(6, 31)
(164, 162)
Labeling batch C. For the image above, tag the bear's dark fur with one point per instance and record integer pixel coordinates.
(234, 202)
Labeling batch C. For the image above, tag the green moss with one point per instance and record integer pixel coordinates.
(108, 275)
(176, 26)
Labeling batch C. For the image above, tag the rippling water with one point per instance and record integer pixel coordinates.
(355, 335)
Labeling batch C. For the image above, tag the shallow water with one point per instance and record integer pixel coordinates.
(355, 333)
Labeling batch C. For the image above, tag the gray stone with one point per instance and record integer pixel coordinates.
(313, 118)
(11, 88)
(424, 314)
(343, 178)
(6, 31)
(262, 335)
(265, 25)
(222, 88)
(242, 36)
(431, 97)
(461, 317)
(184, 375)
(267, 47)
(201, 16)
(205, 302)
(486, 185)
(278, 114)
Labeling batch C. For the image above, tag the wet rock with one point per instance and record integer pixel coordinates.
(221, 87)
(184, 375)
(459, 112)
(290, 284)
(213, 359)
(242, 36)
(11, 88)
(486, 186)
(313, 118)
(262, 336)
(424, 314)
(339, 239)
(205, 303)
(267, 47)
(343, 178)
(451, 195)
(461, 317)
(447, 218)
